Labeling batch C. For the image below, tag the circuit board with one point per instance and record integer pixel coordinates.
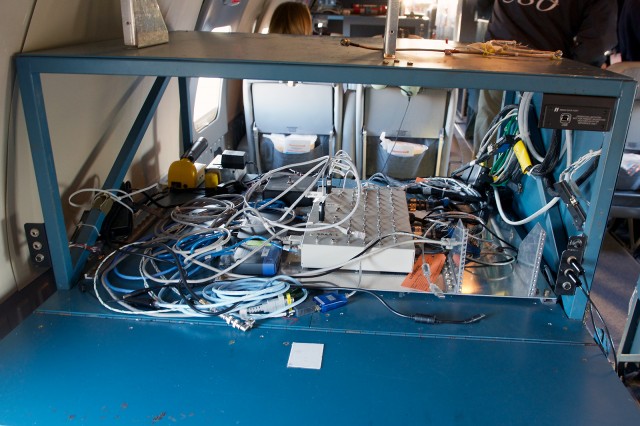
(379, 216)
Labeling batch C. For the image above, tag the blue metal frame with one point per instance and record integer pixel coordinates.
(186, 115)
(192, 54)
(67, 268)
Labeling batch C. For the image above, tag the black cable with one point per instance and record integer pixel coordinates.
(395, 140)
(154, 199)
(183, 279)
(606, 329)
(577, 281)
(552, 157)
(418, 317)
(604, 324)
(587, 173)
(548, 275)
(511, 246)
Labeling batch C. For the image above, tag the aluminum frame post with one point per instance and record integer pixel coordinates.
(391, 29)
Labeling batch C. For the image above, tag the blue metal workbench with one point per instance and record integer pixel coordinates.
(526, 363)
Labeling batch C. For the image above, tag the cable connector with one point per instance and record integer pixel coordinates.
(103, 202)
(305, 308)
(236, 323)
(330, 301)
(270, 305)
(570, 267)
(432, 319)
(425, 319)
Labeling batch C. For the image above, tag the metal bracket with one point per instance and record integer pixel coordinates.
(570, 257)
(142, 23)
(38, 244)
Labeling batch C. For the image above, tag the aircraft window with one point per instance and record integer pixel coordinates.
(207, 102)
(208, 95)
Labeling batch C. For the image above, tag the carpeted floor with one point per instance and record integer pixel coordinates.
(616, 276)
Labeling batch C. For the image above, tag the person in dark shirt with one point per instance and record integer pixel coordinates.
(583, 29)
(629, 31)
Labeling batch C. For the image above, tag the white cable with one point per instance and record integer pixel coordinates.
(111, 194)
(523, 125)
(322, 162)
(484, 144)
(216, 272)
(568, 142)
(139, 191)
(543, 210)
(99, 191)
(165, 313)
(340, 157)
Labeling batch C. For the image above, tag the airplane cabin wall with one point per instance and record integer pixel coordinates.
(89, 116)
(14, 21)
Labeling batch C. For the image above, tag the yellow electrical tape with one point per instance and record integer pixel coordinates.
(523, 156)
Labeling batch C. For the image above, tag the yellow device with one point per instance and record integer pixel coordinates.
(183, 174)
(212, 177)
(186, 173)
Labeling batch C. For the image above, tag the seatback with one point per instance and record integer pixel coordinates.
(291, 108)
(418, 119)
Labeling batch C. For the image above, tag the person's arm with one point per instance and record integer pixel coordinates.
(597, 32)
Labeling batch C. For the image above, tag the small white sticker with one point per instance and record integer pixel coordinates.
(306, 355)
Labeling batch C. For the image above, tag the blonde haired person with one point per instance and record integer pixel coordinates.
(291, 18)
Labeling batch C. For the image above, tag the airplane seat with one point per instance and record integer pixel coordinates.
(291, 122)
(400, 134)
(626, 197)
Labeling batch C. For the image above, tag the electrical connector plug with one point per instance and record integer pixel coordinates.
(270, 305)
(103, 202)
(330, 301)
(305, 308)
(237, 323)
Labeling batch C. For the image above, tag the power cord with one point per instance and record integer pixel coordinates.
(575, 278)
(417, 317)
